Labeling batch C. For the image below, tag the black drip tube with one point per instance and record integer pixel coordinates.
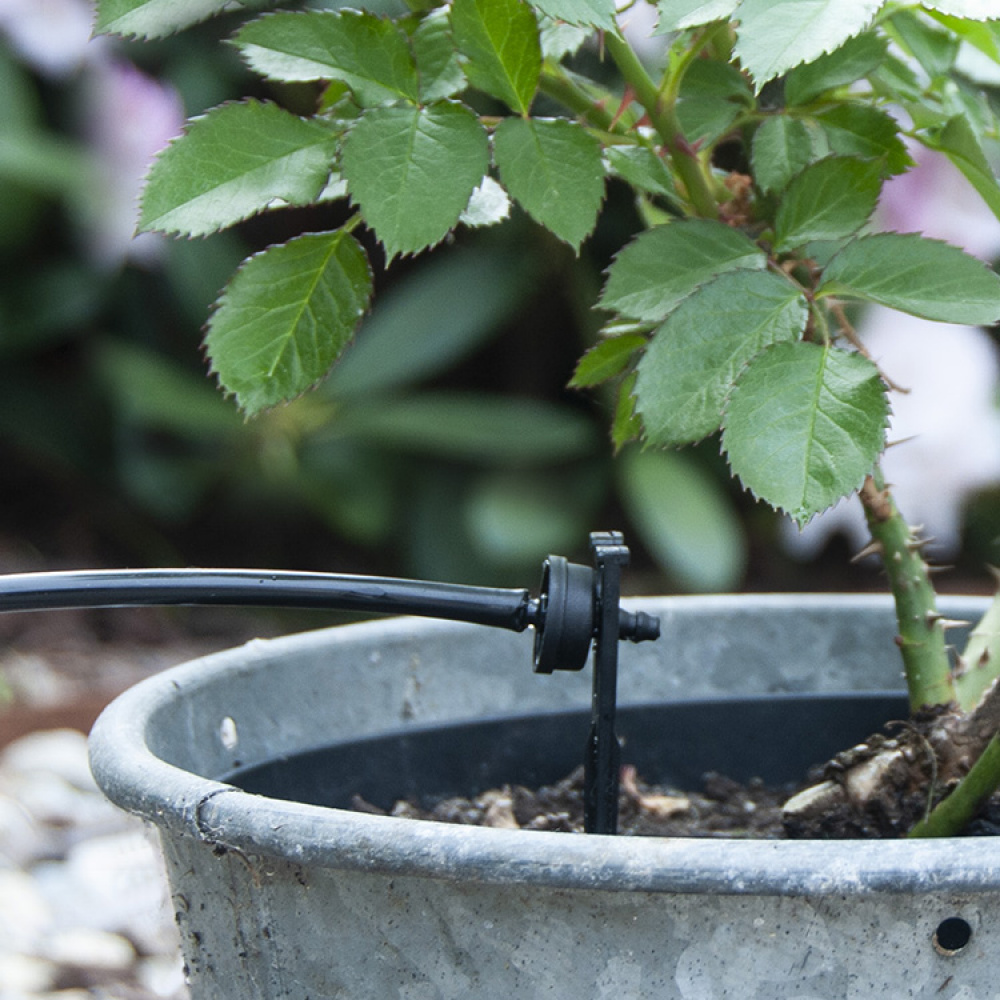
(578, 608)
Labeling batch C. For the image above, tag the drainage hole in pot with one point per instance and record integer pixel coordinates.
(952, 935)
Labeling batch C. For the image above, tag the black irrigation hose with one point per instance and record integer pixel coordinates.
(510, 609)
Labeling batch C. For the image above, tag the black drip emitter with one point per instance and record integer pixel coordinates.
(577, 607)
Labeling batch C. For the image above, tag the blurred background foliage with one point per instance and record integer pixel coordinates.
(445, 444)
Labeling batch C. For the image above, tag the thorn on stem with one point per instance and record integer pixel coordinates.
(873, 548)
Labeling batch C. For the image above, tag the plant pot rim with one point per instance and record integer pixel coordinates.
(186, 804)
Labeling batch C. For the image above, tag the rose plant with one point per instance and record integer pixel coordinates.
(755, 135)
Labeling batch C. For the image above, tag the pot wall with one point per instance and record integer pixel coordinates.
(278, 899)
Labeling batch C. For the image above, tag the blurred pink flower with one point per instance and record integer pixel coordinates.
(130, 117)
(52, 36)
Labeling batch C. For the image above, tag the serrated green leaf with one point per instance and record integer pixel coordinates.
(606, 360)
(626, 425)
(782, 146)
(776, 35)
(977, 10)
(237, 160)
(643, 169)
(438, 66)
(933, 48)
(678, 14)
(804, 425)
(684, 519)
(412, 171)
(829, 200)
(153, 18)
(861, 130)
(653, 273)
(915, 275)
(560, 39)
(369, 54)
(693, 359)
(856, 58)
(595, 13)
(499, 39)
(286, 316)
(958, 142)
(553, 169)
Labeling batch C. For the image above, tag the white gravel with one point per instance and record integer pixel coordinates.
(84, 908)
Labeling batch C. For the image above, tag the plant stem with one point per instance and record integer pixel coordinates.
(954, 811)
(570, 94)
(663, 115)
(921, 629)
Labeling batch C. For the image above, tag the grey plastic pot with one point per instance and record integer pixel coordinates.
(280, 899)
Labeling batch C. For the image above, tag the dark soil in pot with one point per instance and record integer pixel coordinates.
(707, 768)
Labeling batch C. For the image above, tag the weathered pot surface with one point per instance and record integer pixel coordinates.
(282, 899)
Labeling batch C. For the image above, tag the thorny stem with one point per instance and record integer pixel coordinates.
(954, 811)
(921, 636)
(663, 115)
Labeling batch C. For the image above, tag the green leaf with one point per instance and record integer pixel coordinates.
(553, 169)
(983, 36)
(626, 425)
(782, 146)
(690, 366)
(829, 200)
(643, 169)
(511, 517)
(286, 316)
(560, 39)
(915, 275)
(804, 426)
(413, 170)
(369, 54)
(934, 49)
(684, 519)
(678, 14)
(861, 130)
(499, 38)
(237, 160)
(663, 265)
(856, 58)
(958, 142)
(477, 428)
(775, 35)
(438, 64)
(606, 360)
(431, 318)
(595, 13)
(156, 392)
(977, 10)
(152, 18)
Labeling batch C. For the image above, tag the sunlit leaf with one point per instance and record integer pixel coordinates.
(804, 425)
(553, 169)
(915, 275)
(286, 316)
(650, 276)
(692, 361)
(412, 171)
(237, 160)
(776, 35)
